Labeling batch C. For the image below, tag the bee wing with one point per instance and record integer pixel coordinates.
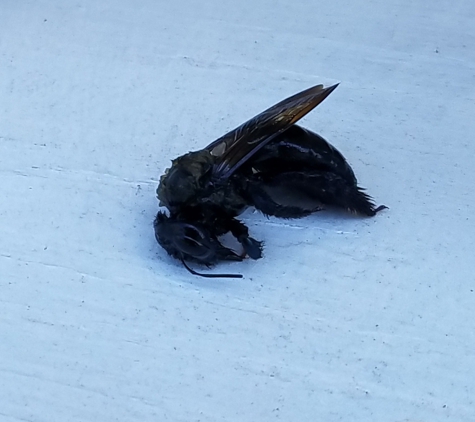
(237, 146)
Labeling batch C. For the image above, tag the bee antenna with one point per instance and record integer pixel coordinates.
(209, 275)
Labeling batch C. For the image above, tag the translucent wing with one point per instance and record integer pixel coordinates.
(237, 146)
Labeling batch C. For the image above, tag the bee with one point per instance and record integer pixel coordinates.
(269, 163)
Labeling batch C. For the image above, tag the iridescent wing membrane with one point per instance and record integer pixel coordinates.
(236, 147)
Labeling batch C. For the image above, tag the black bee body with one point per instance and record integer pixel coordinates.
(269, 163)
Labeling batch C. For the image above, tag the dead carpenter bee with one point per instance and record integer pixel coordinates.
(269, 163)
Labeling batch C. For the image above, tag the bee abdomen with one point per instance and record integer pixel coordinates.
(297, 194)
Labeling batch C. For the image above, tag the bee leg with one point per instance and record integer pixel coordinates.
(239, 230)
